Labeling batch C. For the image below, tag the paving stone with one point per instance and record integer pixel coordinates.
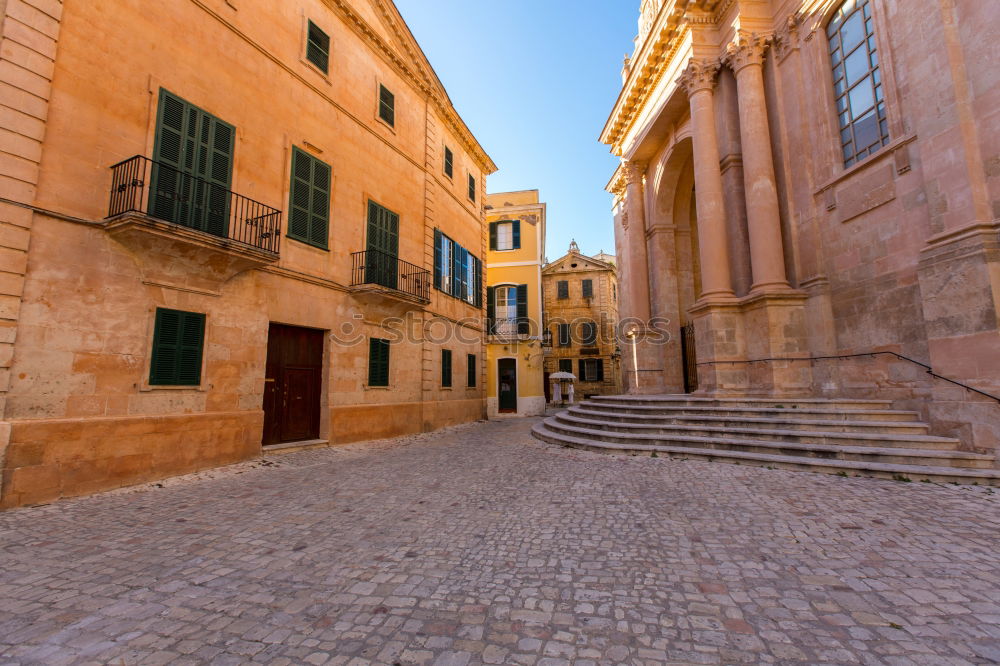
(480, 545)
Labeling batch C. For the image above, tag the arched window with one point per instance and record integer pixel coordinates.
(857, 81)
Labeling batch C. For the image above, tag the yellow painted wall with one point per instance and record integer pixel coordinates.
(527, 260)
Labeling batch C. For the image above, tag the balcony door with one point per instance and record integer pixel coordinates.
(507, 388)
(192, 167)
(382, 251)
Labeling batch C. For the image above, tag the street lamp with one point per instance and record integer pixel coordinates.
(631, 335)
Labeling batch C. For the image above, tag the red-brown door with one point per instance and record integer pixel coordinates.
(293, 384)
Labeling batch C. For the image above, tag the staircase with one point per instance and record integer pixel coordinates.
(836, 436)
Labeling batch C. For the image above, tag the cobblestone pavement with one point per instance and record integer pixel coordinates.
(480, 545)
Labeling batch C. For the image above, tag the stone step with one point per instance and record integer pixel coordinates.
(779, 412)
(913, 472)
(780, 433)
(834, 425)
(893, 453)
(746, 401)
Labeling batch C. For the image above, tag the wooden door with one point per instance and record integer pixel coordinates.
(293, 384)
(507, 378)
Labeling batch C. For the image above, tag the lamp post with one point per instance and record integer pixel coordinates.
(635, 357)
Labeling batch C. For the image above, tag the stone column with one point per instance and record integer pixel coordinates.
(716, 279)
(767, 257)
(638, 271)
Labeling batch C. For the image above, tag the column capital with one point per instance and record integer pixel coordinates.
(634, 172)
(747, 49)
(699, 75)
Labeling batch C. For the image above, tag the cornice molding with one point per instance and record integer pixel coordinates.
(422, 77)
(645, 68)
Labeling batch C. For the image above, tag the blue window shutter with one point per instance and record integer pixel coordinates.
(522, 309)
(516, 225)
(491, 306)
(493, 235)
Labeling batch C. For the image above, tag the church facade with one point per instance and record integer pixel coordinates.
(809, 196)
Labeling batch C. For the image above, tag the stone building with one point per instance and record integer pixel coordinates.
(207, 250)
(581, 321)
(516, 223)
(811, 189)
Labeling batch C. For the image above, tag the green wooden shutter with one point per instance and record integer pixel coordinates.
(446, 367)
(437, 259)
(193, 165)
(178, 344)
(386, 105)
(378, 362)
(449, 162)
(600, 370)
(581, 375)
(516, 233)
(491, 306)
(309, 200)
(588, 288)
(493, 235)
(562, 289)
(478, 274)
(472, 371)
(566, 365)
(318, 48)
(319, 227)
(523, 327)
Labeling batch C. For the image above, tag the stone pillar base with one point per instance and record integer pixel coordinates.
(775, 328)
(718, 333)
(649, 352)
(959, 275)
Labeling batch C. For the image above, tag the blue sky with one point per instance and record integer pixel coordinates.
(535, 80)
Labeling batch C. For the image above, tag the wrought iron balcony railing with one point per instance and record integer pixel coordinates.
(510, 327)
(160, 191)
(381, 269)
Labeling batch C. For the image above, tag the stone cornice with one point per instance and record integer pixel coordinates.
(646, 68)
(414, 68)
(747, 49)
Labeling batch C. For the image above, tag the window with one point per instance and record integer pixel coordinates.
(472, 188)
(471, 377)
(507, 310)
(588, 331)
(318, 47)
(386, 106)
(456, 271)
(446, 368)
(309, 208)
(591, 370)
(562, 289)
(857, 81)
(564, 335)
(378, 362)
(588, 288)
(566, 365)
(449, 162)
(178, 341)
(505, 235)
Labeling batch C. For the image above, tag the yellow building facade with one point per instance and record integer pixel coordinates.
(207, 252)
(514, 360)
(581, 318)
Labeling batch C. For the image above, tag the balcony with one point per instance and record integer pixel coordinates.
(188, 231)
(510, 328)
(381, 273)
